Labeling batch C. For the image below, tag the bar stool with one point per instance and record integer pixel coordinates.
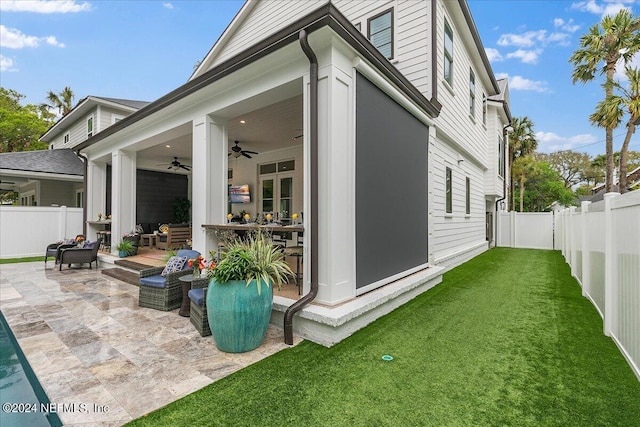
(298, 252)
(106, 240)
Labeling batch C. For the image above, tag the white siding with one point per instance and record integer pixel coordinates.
(77, 131)
(457, 231)
(454, 119)
(411, 30)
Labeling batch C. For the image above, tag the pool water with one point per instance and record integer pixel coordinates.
(21, 394)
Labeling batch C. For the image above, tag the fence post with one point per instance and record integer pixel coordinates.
(610, 282)
(573, 260)
(512, 229)
(586, 280)
(62, 217)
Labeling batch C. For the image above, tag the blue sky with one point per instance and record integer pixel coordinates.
(144, 49)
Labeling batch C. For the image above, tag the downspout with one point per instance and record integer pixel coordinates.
(504, 183)
(85, 161)
(313, 160)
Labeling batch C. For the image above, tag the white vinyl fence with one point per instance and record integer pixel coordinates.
(533, 230)
(27, 230)
(601, 243)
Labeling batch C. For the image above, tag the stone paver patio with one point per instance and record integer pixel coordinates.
(89, 343)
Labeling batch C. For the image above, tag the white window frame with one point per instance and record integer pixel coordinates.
(448, 56)
(80, 193)
(467, 200)
(448, 191)
(66, 138)
(93, 126)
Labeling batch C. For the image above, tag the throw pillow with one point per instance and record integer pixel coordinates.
(174, 264)
(89, 245)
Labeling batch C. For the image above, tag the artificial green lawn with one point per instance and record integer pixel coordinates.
(505, 340)
(27, 259)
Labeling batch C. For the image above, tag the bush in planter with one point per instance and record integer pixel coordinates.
(240, 294)
(124, 248)
(134, 238)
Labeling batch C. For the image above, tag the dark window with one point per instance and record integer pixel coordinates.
(380, 32)
(268, 168)
(472, 93)
(90, 127)
(448, 53)
(468, 196)
(500, 156)
(447, 192)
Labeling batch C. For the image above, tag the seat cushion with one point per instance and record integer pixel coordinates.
(154, 281)
(175, 263)
(197, 296)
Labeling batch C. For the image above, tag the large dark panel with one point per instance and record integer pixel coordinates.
(155, 194)
(391, 186)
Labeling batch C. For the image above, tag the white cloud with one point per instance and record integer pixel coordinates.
(567, 26)
(167, 5)
(6, 64)
(549, 142)
(602, 9)
(527, 39)
(493, 55)
(520, 83)
(526, 56)
(12, 38)
(44, 6)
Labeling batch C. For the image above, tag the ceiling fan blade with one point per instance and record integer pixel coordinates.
(250, 152)
(186, 167)
(230, 153)
(170, 167)
(244, 153)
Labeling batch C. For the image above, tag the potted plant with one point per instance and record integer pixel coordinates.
(124, 248)
(240, 292)
(134, 238)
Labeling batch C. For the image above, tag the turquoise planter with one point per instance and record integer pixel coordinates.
(238, 316)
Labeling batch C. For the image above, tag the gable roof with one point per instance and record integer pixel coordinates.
(62, 162)
(87, 104)
(325, 16)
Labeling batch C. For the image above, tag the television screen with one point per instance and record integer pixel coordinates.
(239, 193)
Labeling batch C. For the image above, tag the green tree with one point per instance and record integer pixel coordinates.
(20, 126)
(522, 142)
(570, 165)
(544, 185)
(62, 101)
(522, 169)
(614, 38)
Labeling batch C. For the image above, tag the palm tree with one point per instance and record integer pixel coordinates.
(613, 39)
(522, 142)
(522, 169)
(63, 101)
(610, 113)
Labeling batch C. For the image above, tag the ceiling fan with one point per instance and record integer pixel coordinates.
(175, 165)
(237, 151)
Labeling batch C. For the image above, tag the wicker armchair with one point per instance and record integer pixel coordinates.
(164, 292)
(198, 314)
(80, 255)
(54, 249)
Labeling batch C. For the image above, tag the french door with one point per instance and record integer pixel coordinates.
(276, 194)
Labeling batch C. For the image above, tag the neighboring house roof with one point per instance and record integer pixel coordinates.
(84, 106)
(59, 162)
(632, 178)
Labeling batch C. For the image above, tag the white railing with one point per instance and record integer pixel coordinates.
(601, 243)
(26, 231)
(532, 230)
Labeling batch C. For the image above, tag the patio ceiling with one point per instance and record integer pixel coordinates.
(269, 128)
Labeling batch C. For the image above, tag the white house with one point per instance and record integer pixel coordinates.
(381, 122)
(56, 176)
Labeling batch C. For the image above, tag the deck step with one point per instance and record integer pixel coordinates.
(123, 275)
(131, 265)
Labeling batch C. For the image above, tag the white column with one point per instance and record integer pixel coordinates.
(123, 194)
(610, 282)
(586, 259)
(336, 181)
(96, 197)
(209, 180)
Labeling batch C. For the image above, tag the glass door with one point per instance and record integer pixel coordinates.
(276, 195)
